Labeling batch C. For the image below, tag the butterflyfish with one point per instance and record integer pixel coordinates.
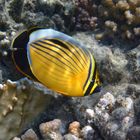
(57, 61)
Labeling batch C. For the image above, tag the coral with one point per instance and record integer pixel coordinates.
(15, 9)
(113, 122)
(114, 112)
(119, 117)
(84, 18)
(109, 17)
(50, 126)
(59, 22)
(110, 114)
(74, 128)
(50, 130)
(18, 100)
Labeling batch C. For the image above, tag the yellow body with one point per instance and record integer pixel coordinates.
(67, 79)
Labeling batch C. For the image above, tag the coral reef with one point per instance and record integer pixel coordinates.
(17, 106)
(29, 111)
(51, 131)
(108, 18)
(111, 114)
(111, 18)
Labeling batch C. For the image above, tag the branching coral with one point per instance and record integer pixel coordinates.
(84, 16)
(112, 17)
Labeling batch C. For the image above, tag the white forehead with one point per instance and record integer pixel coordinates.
(41, 33)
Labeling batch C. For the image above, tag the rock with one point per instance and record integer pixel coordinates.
(2, 35)
(90, 113)
(107, 100)
(70, 137)
(119, 113)
(127, 123)
(134, 133)
(52, 136)
(16, 138)
(29, 135)
(5, 42)
(119, 135)
(137, 109)
(134, 64)
(87, 133)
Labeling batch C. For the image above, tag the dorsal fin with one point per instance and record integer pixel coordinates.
(52, 34)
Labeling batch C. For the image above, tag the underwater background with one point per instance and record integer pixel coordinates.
(110, 29)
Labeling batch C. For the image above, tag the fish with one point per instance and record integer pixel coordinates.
(57, 61)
